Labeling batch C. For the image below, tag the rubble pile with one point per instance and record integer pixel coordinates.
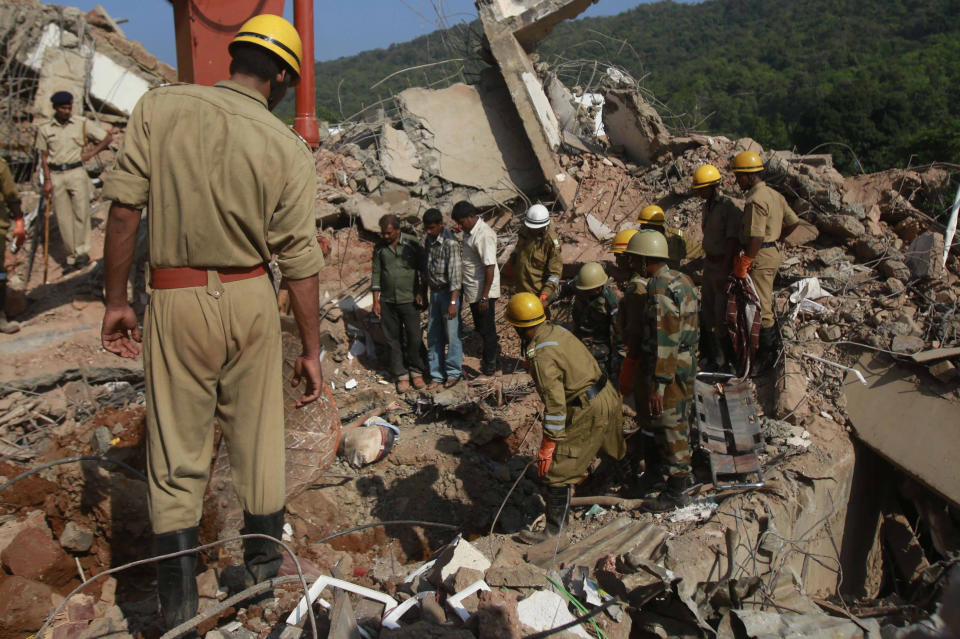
(852, 532)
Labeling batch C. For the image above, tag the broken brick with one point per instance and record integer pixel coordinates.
(25, 605)
(33, 554)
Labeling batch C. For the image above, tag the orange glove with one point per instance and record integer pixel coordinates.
(741, 265)
(626, 375)
(545, 456)
(19, 232)
(544, 297)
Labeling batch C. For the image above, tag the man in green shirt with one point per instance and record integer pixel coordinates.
(398, 289)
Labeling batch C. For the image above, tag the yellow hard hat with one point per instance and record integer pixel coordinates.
(591, 276)
(649, 243)
(622, 239)
(524, 310)
(747, 162)
(277, 36)
(651, 214)
(706, 175)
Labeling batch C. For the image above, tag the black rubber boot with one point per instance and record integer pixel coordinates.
(557, 507)
(262, 557)
(768, 350)
(177, 577)
(710, 349)
(673, 496)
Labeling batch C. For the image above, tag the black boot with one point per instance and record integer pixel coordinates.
(176, 577)
(262, 557)
(710, 351)
(768, 351)
(673, 496)
(558, 513)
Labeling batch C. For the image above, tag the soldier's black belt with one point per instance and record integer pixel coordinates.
(65, 167)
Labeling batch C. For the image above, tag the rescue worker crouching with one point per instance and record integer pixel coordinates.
(582, 413)
(669, 335)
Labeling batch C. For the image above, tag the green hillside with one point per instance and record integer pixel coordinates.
(882, 77)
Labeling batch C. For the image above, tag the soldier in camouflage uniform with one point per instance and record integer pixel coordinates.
(536, 262)
(582, 414)
(670, 341)
(594, 311)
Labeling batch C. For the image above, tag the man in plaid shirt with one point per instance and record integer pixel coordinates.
(443, 275)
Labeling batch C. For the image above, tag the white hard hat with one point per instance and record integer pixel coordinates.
(537, 217)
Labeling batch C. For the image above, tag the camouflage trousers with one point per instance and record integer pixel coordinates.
(671, 430)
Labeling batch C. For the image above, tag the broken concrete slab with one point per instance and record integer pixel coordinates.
(459, 554)
(366, 211)
(924, 257)
(544, 610)
(398, 156)
(759, 624)
(635, 125)
(879, 410)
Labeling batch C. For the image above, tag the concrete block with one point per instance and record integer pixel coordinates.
(25, 605)
(34, 555)
(925, 254)
(945, 371)
(462, 554)
(76, 538)
(544, 610)
(398, 156)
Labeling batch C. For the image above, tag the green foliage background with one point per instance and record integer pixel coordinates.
(882, 77)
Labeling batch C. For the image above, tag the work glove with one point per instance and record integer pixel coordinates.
(543, 298)
(545, 456)
(741, 265)
(19, 232)
(626, 375)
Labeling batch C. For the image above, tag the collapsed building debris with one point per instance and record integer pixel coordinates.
(839, 541)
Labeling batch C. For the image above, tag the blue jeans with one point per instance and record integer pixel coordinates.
(443, 334)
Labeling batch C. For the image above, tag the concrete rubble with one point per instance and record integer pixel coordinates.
(852, 534)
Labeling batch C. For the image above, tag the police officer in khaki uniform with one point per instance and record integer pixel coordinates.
(721, 225)
(767, 218)
(682, 246)
(582, 412)
(61, 141)
(227, 186)
(9, 210)
(536, 263)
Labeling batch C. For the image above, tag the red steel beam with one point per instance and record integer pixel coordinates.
(305, 121)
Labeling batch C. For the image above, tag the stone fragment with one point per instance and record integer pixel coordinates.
(9, 530)
(803, 234)
(207, 585)
(908, 344)
(101, 440)
(461, 554)
(843, 226)
(461, 579)
(908, 229)
(76, 538)
(366, 211)
(112, 625)
(34, 555)
(830, 256)
(894, 286)
(925, 254)
(70, 630)
(81, 608)
(24, 605)
(830, 332)
(945, 371)
(398, 156)
(519, 576)
(544, 610)
(498, 616)
(895, 269)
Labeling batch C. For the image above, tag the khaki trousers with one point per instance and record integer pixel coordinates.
(713, 296)
(213, 354)
(593, 427)
(71, 205)
(763, 273)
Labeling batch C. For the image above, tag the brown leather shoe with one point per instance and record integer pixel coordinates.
(433, 385)
(451, 382)
(418, 383)
(403, 385)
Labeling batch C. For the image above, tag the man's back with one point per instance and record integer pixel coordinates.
(225, 182)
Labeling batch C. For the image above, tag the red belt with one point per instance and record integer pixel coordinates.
(186, 276)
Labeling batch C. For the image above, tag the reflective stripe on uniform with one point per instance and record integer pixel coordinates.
(553, 280)
(614, 311)
(542, 344)
(554, 426)
(556, 418)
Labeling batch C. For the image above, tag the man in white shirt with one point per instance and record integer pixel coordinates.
(481, 280)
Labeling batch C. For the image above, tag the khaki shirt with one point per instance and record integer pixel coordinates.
(537, 262)
(765, 214)
(10, 193)
(562, 369)
(680, 246)
(226, 183)
(721, 222)
(65, 142)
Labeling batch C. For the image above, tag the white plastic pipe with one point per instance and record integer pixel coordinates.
(322, 582)
(951, 227)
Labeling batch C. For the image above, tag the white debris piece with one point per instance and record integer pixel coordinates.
(544, 610)
(697, 511)
(459, 554)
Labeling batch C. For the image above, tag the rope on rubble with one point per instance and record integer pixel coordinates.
(150, 560)
(69, 460)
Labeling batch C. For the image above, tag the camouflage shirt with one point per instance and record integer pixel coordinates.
(672, 308)
(594, 318)
(537, 262)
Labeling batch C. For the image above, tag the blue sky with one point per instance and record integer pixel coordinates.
(342, 28)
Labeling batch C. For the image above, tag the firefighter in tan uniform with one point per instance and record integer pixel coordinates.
(227, 185)
(9, 210)
(61, 141)
(682, 246)
(536, 263)
(767, 218)
(582, 412)
(721, 224)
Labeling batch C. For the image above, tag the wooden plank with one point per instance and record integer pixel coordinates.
(924, 357)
